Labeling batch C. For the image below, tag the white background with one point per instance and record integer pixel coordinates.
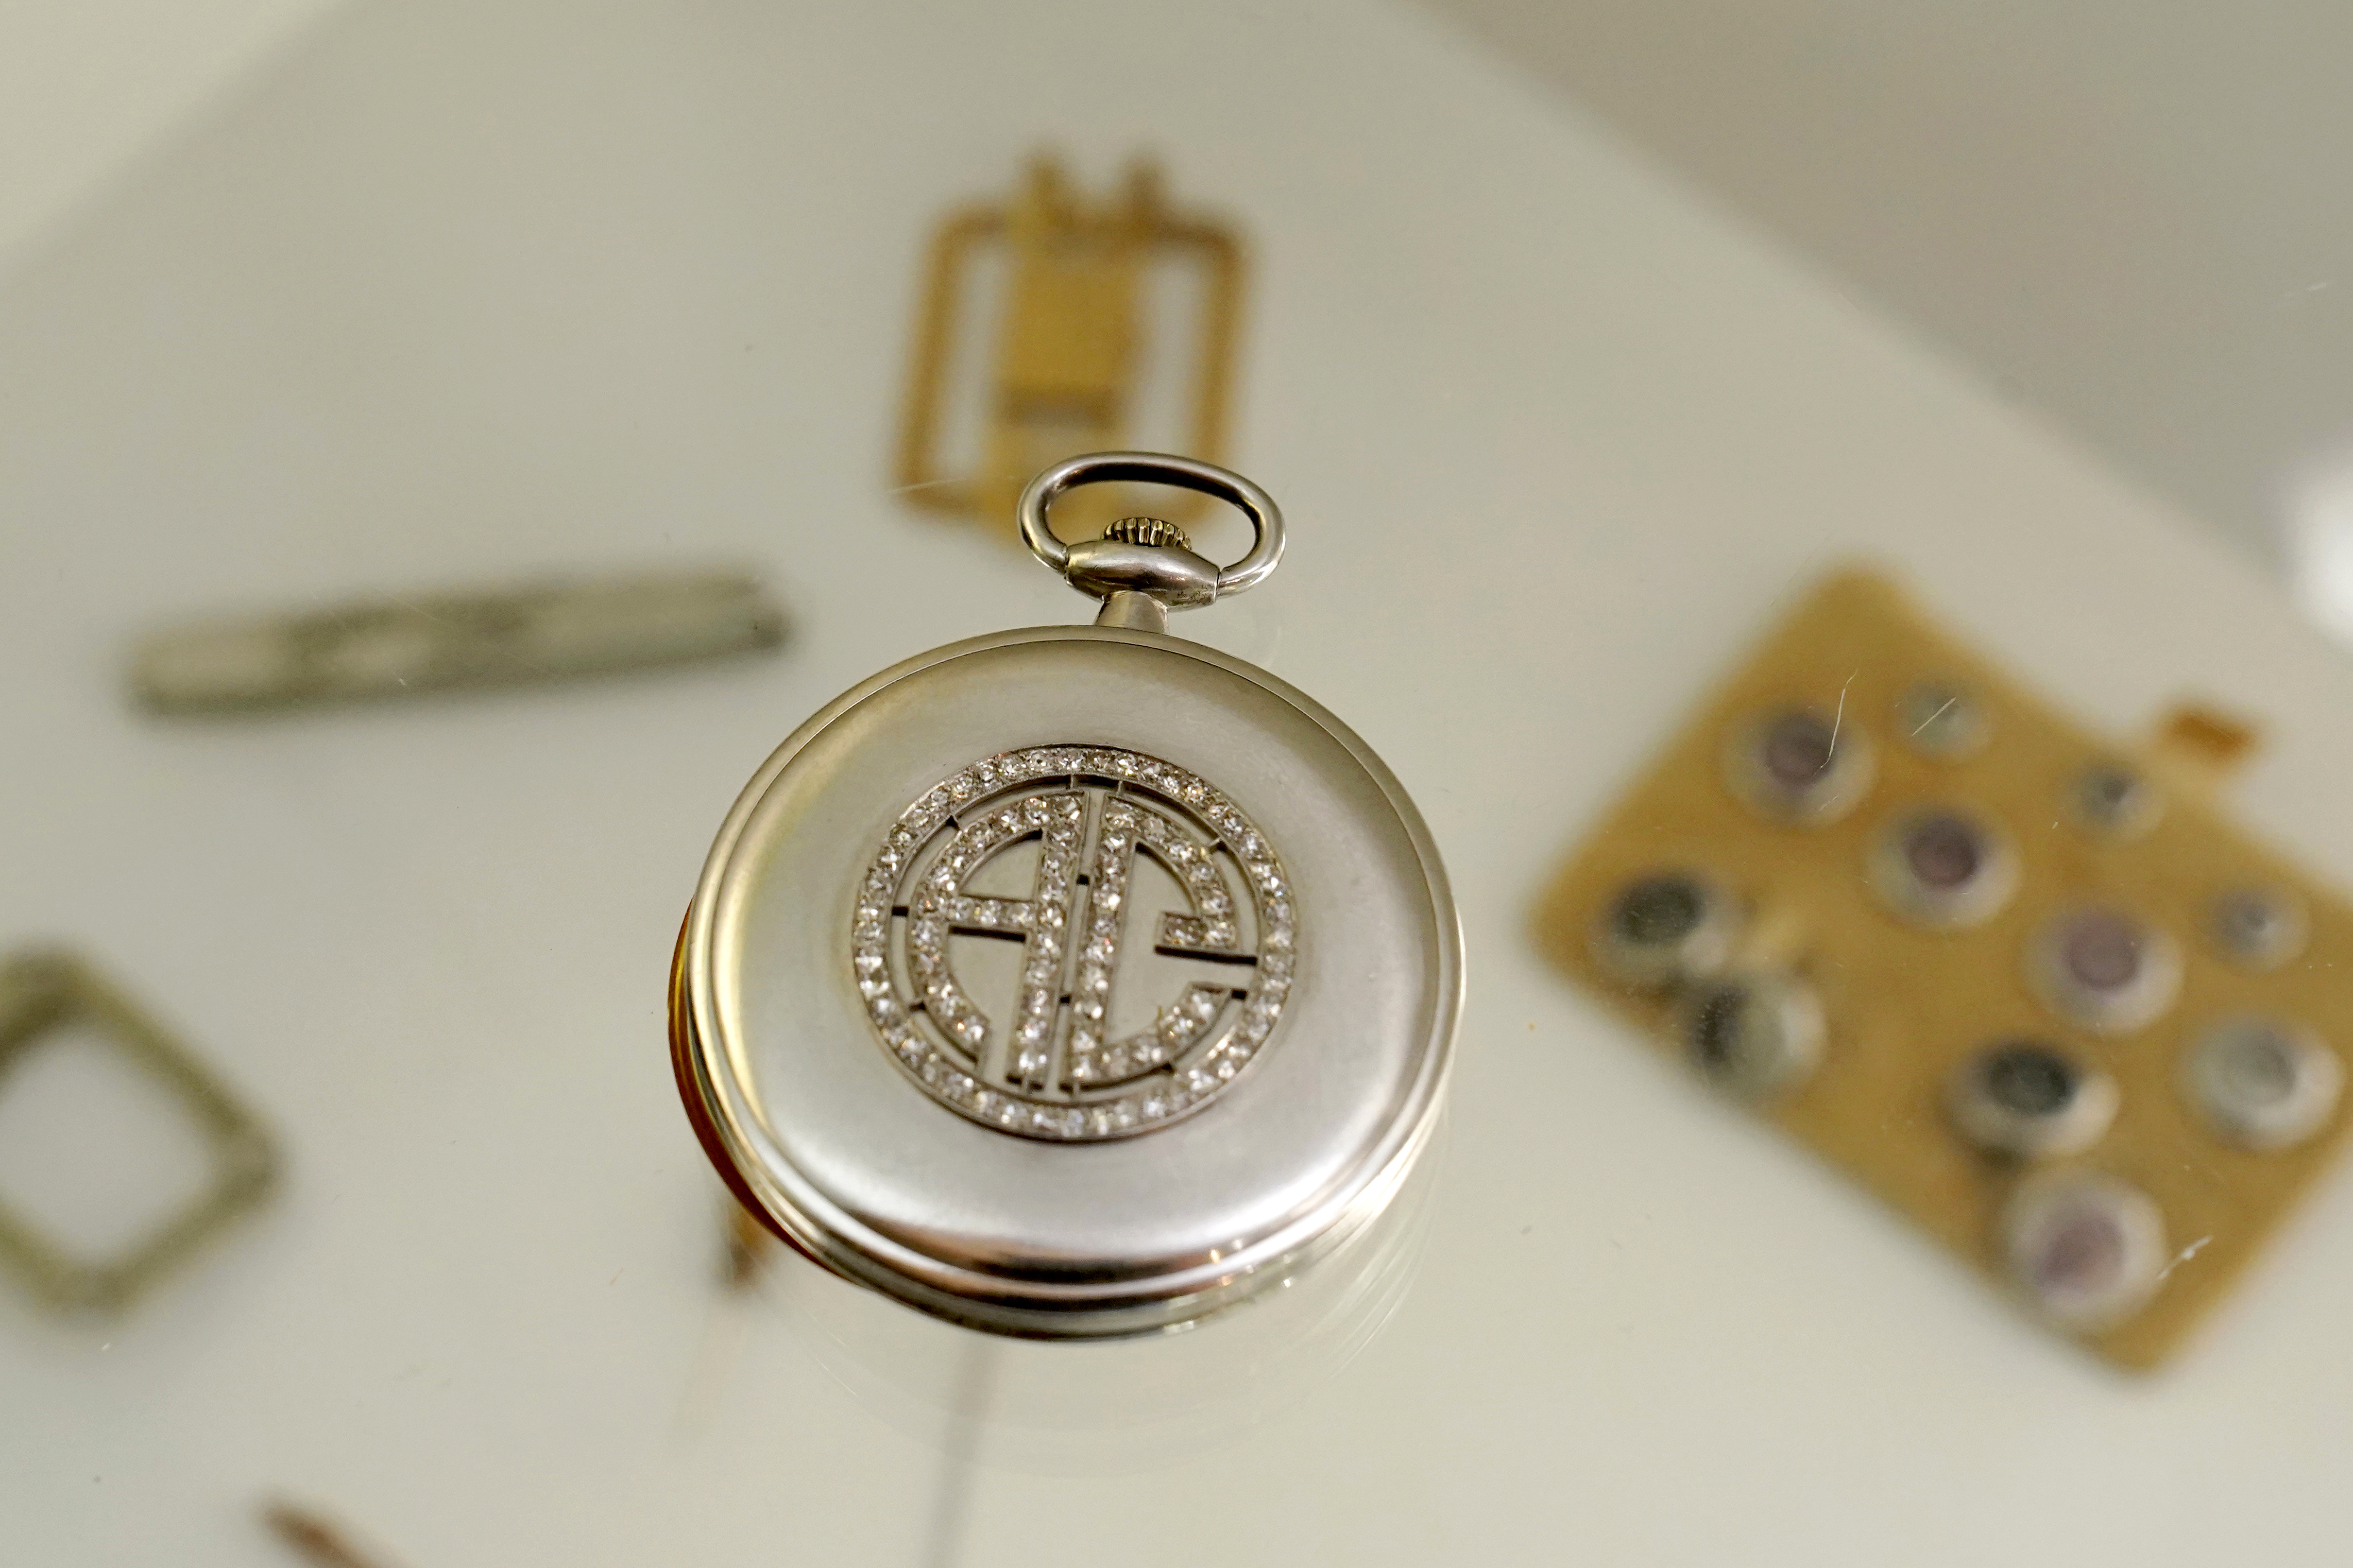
(455, 293)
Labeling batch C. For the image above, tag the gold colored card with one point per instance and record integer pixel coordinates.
(2032, 989)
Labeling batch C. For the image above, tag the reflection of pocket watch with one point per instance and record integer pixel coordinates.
(1072, 981)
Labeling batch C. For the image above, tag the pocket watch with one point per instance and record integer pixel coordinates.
(1074, 981)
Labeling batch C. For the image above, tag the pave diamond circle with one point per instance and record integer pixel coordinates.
(1043, 1060)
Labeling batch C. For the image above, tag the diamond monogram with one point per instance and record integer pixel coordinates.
(1046, 1061)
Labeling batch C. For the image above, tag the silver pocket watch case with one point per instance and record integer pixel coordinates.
(1075, 981)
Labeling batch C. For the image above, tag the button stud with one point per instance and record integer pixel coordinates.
(2087, 1249)
(1666, 929)
(1799, 766)
(1942, 720)
(2115, 801)
(2031, 1100)
(1754, 1035)
(2104, 970)
(1945, 868)
(2263, 1084)
(2258, 927)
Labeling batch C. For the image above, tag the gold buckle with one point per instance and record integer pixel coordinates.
(43, 992)
(1069, 336)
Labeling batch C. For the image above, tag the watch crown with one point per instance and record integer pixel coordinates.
(1147, 531)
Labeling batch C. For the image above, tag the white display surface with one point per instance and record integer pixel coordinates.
(477, 292)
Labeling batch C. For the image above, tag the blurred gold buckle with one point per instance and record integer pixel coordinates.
(44, 992)
(1070, 338)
